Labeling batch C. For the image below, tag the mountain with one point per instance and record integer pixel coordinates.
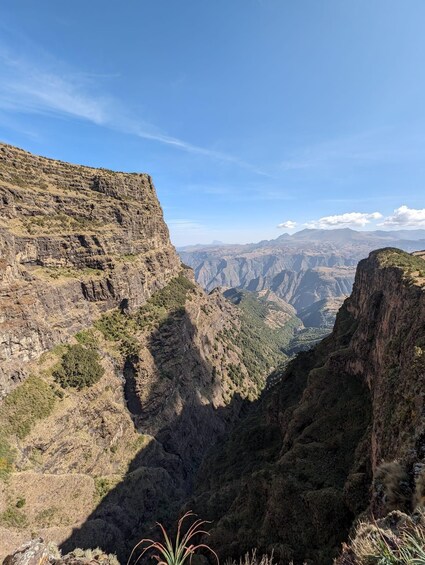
(129, 394)
(117, 371)
(340, 435)
(311, 269)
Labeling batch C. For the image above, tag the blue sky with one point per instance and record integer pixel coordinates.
(248, 114)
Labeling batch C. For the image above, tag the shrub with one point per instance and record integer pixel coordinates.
(80, 367)
(13, 518)
(395, 540)
(31, 401)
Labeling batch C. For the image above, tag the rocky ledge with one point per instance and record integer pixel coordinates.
(74, 242)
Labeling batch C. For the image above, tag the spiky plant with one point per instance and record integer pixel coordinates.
(176, 553)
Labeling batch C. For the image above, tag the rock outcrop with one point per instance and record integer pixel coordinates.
(39, 552)
(340, 434)
(74, 242)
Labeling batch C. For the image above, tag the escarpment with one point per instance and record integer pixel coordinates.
(340, 435)
(74, 242)
(118, 371)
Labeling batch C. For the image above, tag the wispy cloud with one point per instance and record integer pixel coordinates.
(288, 225)
(184, 225)
(349, 219)
(30, 88)
(358, 149)
(405, 217)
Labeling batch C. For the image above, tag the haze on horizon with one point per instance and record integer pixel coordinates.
(249, 115)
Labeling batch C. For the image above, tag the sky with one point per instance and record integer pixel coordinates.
(254, 117)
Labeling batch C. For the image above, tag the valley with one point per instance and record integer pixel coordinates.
(130, 394)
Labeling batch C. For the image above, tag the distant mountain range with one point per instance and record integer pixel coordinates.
(313, 269)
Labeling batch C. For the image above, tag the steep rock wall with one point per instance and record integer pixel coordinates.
(295, 474)
(74, 242)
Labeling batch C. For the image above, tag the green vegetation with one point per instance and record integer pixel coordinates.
(262, 346)
(305, 339)
(20, 503)
(7, 458)
(31, 401)
(128, 257)
(410, 264)
(121, 328)
(13, 517)
(170, 298)
(103, 485)
(79, 368)
(87, 337)
(58, 222)
(47, 517)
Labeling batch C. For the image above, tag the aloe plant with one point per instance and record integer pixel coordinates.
(176, 553)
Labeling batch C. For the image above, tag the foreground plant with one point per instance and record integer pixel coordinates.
(397, 539)
(181, 550)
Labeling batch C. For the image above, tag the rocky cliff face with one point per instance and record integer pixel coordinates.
(87, 268)
(74, 242)
(342, 433)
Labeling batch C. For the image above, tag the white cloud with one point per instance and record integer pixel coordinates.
(349, 219)
(405, 217)
(288, 225)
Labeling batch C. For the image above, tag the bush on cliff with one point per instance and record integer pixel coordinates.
(79, 368)
(31, 401)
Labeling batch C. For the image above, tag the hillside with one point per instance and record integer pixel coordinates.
(129, 394)
(312, 270)
(341, 435)
(117, 371)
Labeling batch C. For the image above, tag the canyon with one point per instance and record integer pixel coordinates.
(129, 394)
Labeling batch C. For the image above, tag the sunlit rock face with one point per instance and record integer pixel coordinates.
(74, 242)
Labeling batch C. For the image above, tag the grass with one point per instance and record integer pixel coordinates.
(7, 457)
(179, 551)
(47, 517)
(251, 558)
(410, 264)
(87, 337)
(103, 485)
(379, 544)
(23, 407)
(57, 223)
(13, 517)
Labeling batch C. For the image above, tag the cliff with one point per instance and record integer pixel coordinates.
(74, 242)
(339, 436)
(118, 371)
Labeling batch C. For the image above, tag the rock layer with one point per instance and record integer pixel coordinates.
(74, 242)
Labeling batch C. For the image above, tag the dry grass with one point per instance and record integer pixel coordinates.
(396, 540)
